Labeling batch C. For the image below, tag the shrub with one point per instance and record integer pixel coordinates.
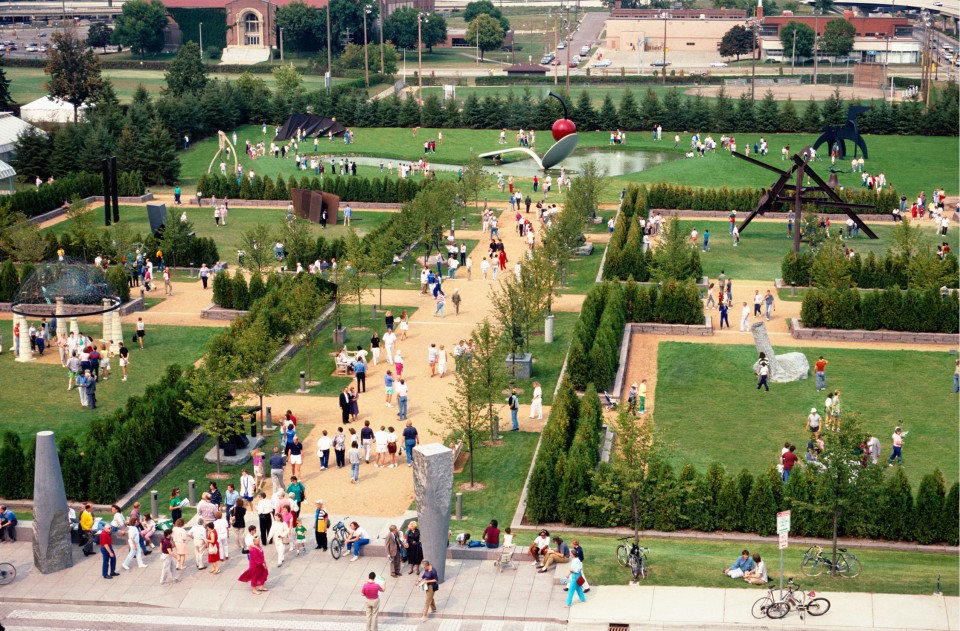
(9, 281)
(241, 295)
(892, 309)
(14, 483)
(927, 527)
(119, 282)
(223, 291)
(761, 508)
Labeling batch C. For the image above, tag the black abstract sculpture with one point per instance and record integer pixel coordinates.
(836, 135)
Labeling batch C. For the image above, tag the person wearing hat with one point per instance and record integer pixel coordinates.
(813, 422)
(321, 524)
(513, 402)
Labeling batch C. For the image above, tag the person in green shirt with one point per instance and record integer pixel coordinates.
(299, 494)
(301, 532)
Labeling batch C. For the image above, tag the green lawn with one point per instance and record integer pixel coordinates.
(764, 244)
(321, 356)
(688, 563)
(51, 406)
(582, 272)
(239, 220)
(503, 469)
(907, 162)
(410, 269)
(548, 358)
(707, 404)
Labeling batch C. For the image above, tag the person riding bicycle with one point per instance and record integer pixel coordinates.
(742, 565)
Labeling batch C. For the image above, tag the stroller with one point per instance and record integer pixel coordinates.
(609, 403)
(506, 558)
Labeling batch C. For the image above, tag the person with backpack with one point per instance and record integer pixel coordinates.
(513, 402)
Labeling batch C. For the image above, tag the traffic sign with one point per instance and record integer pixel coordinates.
(783, 540)
(783, 522)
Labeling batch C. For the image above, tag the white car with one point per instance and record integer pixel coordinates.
(561, 45)
(32, 49)
(718, 64)
(600, 64)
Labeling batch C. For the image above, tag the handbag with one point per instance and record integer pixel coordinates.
(581, 580)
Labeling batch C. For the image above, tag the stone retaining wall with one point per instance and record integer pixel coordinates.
(213, 312)
(801, 332)
(655, 328)
(724, 214)
(57, 212)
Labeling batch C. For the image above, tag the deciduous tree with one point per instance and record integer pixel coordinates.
(737, 41)
(208, 404)
(74, 70)
(140, 26)
(187, 72)
(486, 33)
(804, 38)
(837, 38)
(99, 35)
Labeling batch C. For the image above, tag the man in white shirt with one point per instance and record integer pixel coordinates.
(389, 341)
(540, 546)
(323, 450)
(199, 534)
(265, 517)
(758, 575)
(381, 437)
(745, 317)
(223, 535)
(247, 486)
(536, 406)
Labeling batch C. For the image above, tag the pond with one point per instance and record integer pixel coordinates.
(613, 161)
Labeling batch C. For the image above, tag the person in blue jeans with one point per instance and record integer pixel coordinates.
(410, 440)
(956, 377)
(724, 316)
(576, 571)
(513, 402)
(401, 391)
(358, 537)
(109, 556)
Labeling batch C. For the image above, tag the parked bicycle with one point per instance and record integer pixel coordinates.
(339, 535)
(815, 563)
(7, 573)
(760, 607)
(635, 557)
(796, 598)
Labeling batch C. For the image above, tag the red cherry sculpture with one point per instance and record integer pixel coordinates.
(564, 126)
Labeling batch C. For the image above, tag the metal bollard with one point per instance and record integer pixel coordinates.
(373, 311)
(459, 506)
(253, 425)
(303, 381)
(154, 505)
(192, 492)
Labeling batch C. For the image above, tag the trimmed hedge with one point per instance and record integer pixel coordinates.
(566, 473)
(46, 197)
(348, 188)
(891, 309)
(867, 273)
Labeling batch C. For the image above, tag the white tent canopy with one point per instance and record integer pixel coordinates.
(49, 110)
(10, 129)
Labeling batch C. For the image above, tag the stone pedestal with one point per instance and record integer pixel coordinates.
(433, 487)
(74, 326)
(117, 330)
(24, 341)
(52, 551)
(57, 322)
(107, 321)
(519, 366)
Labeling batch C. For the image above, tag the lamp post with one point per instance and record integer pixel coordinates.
(329, 54)
(281, 44)
(201, 41)
(663, 69)
(753, 61)
(421, 18)
(567, 88)
(366, 55)
(816, 29)
(380, 20)
(793, 55)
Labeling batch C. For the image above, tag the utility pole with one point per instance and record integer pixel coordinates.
(556, 42)
(567, 89)
(329, 54)
(201, 41)
(281, 44)
(793, 55)
(420, 18)
(366, 55)
(380, 19)
(664, 68)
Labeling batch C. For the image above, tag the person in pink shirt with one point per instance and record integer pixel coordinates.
(371, 591)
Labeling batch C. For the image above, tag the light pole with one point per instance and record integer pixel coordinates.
(664, 68)
(366, 55)
(793, 55)
(380, 20)
(421, 18)
(567, 89)
(329, 54)
(281, 44)
(816, 29)
(753, 61)
(201, 41)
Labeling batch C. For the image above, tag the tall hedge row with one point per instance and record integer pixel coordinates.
(892, 309)
(348, 188)
(871, 272)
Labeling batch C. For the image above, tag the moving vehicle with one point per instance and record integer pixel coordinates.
(603, 63)
(658, 64)
(561, 45)
(718, 64)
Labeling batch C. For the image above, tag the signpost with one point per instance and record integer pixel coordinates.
(783, 530)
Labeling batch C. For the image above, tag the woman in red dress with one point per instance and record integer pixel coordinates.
(256, 573)
(213, 549)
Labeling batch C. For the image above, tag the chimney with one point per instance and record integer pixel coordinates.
(759, 9)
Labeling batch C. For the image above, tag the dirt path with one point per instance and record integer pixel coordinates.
(384, 491)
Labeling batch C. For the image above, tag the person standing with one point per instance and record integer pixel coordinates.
(642, 393)
(277, 464)
(513, 402)
(389, 341)
(109, 568)
(344, 402)
(763, 371)
(768, 302)
(388, 388)
(360, 372)
(789, 460)
(353, 457)
(430, 579)
(897, 455)
(757, 303)
(371, 592)
(820, 366)
(168, 565)
(199, 535)
(141, 332)
(455, 299)
(323, 450)
(167, 287)
(238, 522)
(411, 439)
(745, 317)
(536, 405)
(375, 347)
(401, 391)
(724, 314)
(204, 274)
(264, 516)
(340, 447)
(321, 521)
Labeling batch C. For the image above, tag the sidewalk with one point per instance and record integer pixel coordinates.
(702, 608)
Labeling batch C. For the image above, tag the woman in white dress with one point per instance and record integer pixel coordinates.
(441, 361)
(404, 324)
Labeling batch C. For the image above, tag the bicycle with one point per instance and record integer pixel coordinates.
(795, 598)
(759, 609)
(339, 532)
(814, 563)
(635, 557)
(7, 573)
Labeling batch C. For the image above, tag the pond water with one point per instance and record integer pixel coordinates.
(613, 161)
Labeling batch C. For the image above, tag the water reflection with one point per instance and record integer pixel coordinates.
(614, 162)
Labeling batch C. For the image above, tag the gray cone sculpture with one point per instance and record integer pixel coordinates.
(433, 487)
(52, 551)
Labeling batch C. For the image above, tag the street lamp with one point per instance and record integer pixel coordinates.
(201, 41)
(816, 29)
(567, 89)
(281, 44)
(366, 56)
(329, 54)
(380, 21)
(421, 18)
(663, 69)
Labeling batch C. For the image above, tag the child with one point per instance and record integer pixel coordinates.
(301, 532)
(463, 539)
(507, 537)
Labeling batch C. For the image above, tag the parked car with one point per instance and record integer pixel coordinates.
(658, 64)
(547, 59)
(718, 64)
(561, 45)
(576, 59)
(584, 51)
(603, 63)
(33, 49)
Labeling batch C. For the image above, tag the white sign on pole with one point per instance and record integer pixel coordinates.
(783, 522)
(783, 540)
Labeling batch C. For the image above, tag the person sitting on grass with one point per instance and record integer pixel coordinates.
(758, 575)
(742, 565)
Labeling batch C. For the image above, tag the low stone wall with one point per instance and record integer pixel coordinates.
(213, 312)
(57, 212)
(724, 214)
(801, 332)
(656, 328)
(179, 453)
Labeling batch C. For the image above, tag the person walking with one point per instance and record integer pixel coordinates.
(133, 541)
(820, 366)
(277, 463)
(256, 573)
(897, 455)
(576, 580)
(745, 317)
(401, 391)
(455, 299)
(536, 405)
(411, 439)
(264, 516)
(414, 547)
(724, 314)
(238, 522)
(513, 402)
(168, 567)
(371, 592)
(109, 568)
(430, 579)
